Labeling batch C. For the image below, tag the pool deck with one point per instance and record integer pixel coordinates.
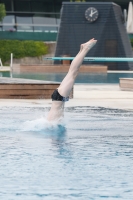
(17, 88)
(5, 69)
(95, 95)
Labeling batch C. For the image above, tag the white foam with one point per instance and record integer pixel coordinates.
(41, 124)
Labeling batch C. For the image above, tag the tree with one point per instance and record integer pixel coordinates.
(2, 11)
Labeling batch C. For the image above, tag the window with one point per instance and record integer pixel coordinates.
(9, 19)
(40, 20)
(24, 23)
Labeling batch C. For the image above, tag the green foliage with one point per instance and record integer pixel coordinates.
(2, 11)
(131, 40)
(21, 49)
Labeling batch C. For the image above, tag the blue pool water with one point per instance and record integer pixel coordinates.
(82, 77)
(4, 74)
(89, 156)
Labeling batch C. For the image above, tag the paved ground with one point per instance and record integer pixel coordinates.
(101, 95)
(4, 69)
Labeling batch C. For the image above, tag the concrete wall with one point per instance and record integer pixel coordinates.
(108, 29)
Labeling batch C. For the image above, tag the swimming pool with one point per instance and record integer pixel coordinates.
(4, 74)
(81, 78)
(109, 78)
(88, 156)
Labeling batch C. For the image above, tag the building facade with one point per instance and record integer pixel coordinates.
(35, 19)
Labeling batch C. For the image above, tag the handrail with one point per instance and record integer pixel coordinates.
(44, 25)
(32, 12)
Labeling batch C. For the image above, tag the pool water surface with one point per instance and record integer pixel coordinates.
(105, 78)
(88, 156)
(81, 78)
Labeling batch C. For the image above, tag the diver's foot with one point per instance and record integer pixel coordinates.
(88, 45)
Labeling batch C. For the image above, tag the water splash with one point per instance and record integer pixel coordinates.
(35, 125)
(42, 124)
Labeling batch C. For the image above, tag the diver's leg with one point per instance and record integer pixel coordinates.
(68, 82)
(57, 109)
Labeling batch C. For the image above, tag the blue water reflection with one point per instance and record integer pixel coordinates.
(82, 77)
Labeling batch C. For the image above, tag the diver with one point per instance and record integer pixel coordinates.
(61, 94)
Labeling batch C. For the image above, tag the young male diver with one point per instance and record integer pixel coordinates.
(61, 94)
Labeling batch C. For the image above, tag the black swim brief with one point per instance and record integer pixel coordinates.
(57, 97)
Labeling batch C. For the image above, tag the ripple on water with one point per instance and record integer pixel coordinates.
(87, 156)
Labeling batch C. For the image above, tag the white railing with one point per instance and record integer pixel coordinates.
(1, 65)
(43, 25)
